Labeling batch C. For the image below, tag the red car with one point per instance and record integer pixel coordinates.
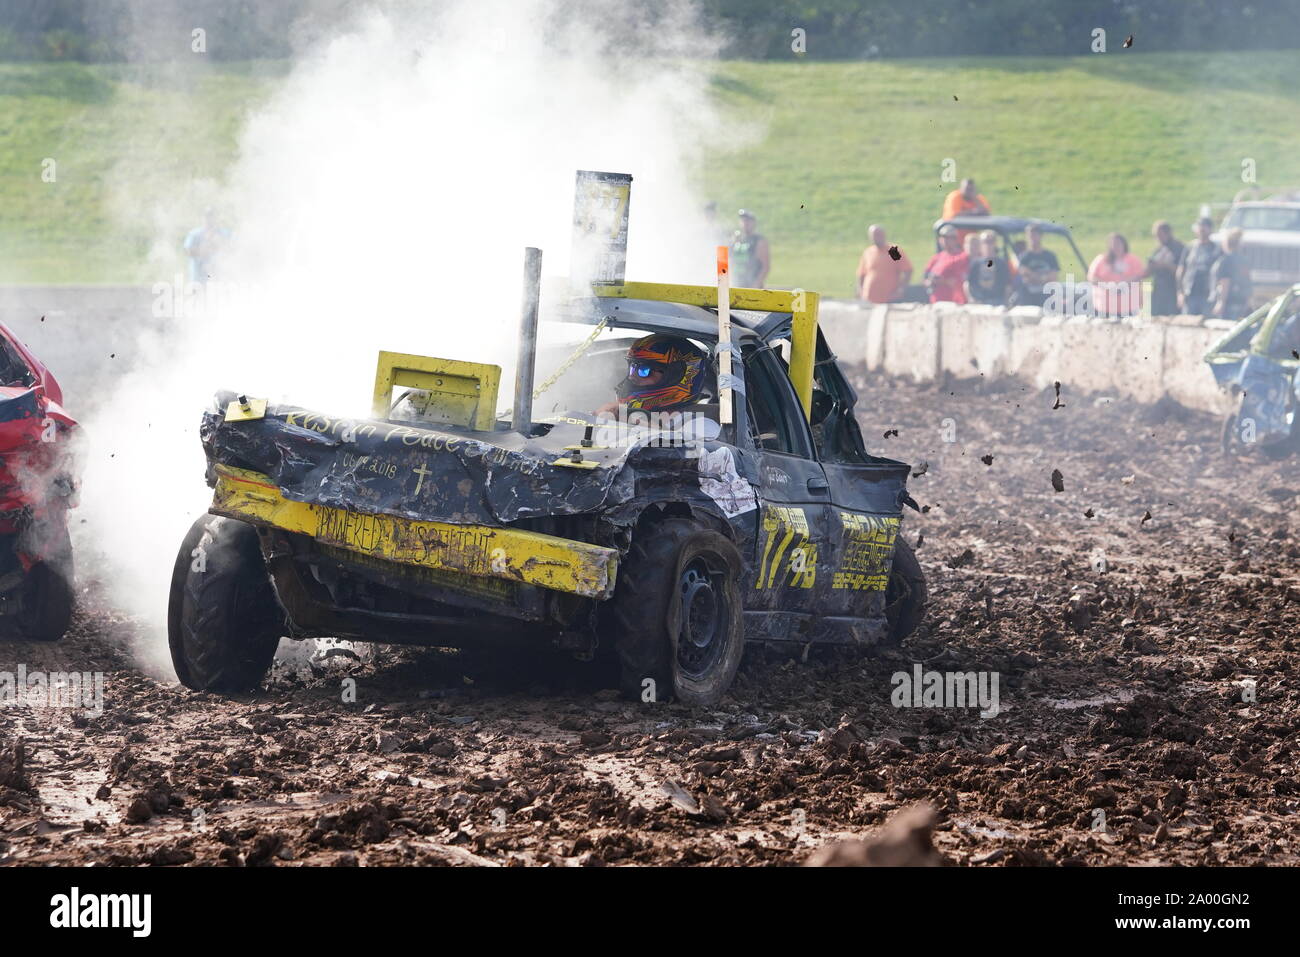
(38, 484)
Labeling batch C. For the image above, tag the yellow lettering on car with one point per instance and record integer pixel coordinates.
(866, 542)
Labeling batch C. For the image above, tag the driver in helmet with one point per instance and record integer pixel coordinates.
(665, 374)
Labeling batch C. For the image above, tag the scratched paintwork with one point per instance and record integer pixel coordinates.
(543, 560)
(422, 473)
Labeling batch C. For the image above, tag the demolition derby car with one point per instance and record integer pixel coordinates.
(1256, 362)
(666, 540)
(37, 487)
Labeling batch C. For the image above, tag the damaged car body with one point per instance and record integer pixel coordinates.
(38, 484)
(666, 541)
(1255, 362)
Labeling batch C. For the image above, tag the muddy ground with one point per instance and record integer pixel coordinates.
(1126, 617)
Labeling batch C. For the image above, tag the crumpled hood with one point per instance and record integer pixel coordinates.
(33, 469)
(418, 472)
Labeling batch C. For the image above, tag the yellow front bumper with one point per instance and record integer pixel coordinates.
(543, 560)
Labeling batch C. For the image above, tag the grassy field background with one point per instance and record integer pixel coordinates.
(1100, 143)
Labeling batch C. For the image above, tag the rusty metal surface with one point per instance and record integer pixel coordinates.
(414, 472)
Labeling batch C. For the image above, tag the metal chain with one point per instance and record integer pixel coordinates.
(565, 365)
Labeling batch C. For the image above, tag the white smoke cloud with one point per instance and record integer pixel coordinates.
(381, 200)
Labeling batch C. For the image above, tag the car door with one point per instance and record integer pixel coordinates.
(865, 504)
(788, 570)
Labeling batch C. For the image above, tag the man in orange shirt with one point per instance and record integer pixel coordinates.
(966, 201)
(883, 271)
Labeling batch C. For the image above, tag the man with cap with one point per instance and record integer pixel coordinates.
(1195, 268)
(751, 259)
(946, 271)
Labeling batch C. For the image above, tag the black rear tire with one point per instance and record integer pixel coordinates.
(223, 619)
(676, 617)
(906, 594)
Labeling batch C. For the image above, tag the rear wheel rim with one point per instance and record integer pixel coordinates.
(705, 616)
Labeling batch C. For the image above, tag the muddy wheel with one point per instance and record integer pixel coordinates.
(906, 594)
(223, 619)
(47, 597)
(676, 615)
(1230, 440)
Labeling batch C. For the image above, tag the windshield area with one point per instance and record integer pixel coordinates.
(14, 372)
(581, 382)
(572, 377)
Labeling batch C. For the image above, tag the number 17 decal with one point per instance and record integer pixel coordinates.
(784, 526)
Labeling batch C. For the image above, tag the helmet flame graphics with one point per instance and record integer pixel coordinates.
(664, 372)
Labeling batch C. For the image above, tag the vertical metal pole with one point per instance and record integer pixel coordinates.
(803, 345)
(726, 416)
(522, 420)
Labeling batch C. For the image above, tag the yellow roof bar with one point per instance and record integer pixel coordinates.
(801, 305)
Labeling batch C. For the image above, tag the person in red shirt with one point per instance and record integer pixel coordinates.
(946, 271)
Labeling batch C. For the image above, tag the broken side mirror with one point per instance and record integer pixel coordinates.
(823, 404)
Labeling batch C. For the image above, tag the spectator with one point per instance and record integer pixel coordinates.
(1162, 265)
(881, 277)
(1038, 267)
(988, 277)
(751, 259)
(966, 201)
(1230, 279)
(946, 270)
(1194, 269)
(1115, 275)
(203, 244)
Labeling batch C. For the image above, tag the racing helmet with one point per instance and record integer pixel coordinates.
(664, 372)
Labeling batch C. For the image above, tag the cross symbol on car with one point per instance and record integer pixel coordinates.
(422, 472)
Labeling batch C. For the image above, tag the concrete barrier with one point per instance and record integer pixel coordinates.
(1138, 358)
(89, 334)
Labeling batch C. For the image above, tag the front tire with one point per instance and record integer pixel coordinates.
(676, 617)
(223, 619)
